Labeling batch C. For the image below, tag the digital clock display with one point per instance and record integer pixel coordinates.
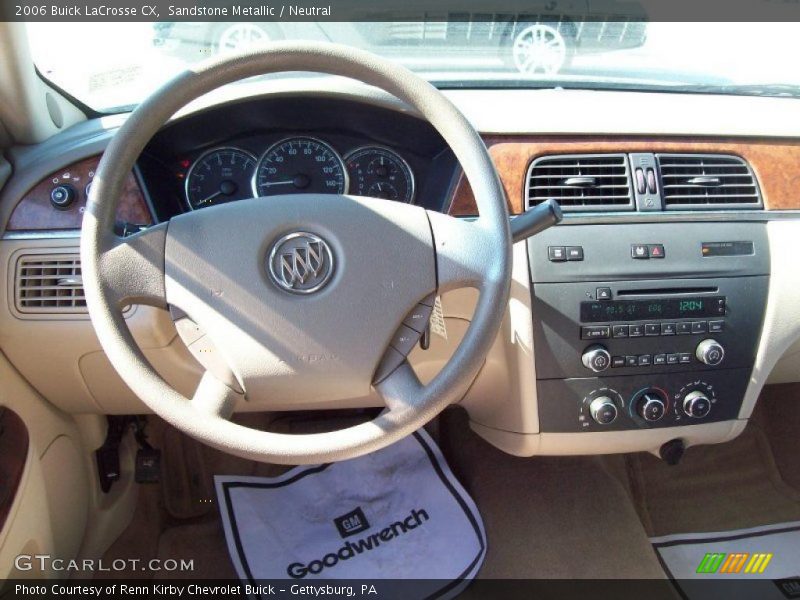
(661, 308)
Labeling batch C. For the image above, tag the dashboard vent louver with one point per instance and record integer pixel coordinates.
(49, 284)
(585, 182)
(707, 181)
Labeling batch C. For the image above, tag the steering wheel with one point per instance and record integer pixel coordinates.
(302, 295)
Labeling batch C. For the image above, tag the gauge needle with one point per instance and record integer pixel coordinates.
(210, 198)
(278, 182)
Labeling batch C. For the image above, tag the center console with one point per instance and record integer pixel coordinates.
(640, 326)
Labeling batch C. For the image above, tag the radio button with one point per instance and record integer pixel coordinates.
(710, 352)
(672, 359)
(631, 361)
(617, 362)
(699, 327)
(684, 328)
(596, 358)
(604, 293)
(716, 326)
(595, 332)
(651, 329)
(636, 331)
(619, 331)
(645, 360)
(660, 359)
(557, 253)
(685, 358)
(668, 329)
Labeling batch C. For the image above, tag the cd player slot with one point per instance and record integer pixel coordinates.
(668, 291)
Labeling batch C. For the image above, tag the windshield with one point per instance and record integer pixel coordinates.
(112, 66)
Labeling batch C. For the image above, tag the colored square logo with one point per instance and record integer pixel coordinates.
(351, 523)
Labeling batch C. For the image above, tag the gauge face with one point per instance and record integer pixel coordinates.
(380, 173)
(218, 176)
(300, 165)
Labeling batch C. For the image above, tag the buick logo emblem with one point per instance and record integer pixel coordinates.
(301, 263)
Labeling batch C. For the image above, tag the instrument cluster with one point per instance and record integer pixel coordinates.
(297, 165)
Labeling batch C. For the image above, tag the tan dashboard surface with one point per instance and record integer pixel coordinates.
(776, 163)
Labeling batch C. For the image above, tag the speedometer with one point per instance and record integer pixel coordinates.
(219, 175)
(300, 165)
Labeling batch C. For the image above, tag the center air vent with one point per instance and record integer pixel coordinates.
(49, 284)
(585, 182)
(707, 181)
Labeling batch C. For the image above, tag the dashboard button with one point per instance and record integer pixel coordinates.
(656, 250)
(574, 253)
(672, 359)
(668, 329)
(684, 358)
(699, 327)
(716, 326)
(557, 253)
(636, 331)
(617, 361)
(604, 293)
(684, 328)
(640, 251)
(652, 329)
(631, 361)
(645, 360)
(660, 359)
(619, 331)
(595, 332)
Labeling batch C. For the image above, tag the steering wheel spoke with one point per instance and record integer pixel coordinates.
(464, 252)
(133, 268)
(401, 390)
(214, 398)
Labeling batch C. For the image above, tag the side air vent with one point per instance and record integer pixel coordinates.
(49, 284)
(703, 181)
(585, 182)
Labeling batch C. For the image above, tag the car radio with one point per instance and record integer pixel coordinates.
(625, 344)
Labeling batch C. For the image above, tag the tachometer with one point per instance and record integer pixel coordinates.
(380, 173)
(300, 165)
(220, 175)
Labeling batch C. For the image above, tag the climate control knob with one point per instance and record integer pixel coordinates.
(710, 352)
(696, 404)
(603, 410)
(651, 406)
(596, 358)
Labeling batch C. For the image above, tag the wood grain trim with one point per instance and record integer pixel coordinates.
(13, 454)
(776, 163)
(35, 213)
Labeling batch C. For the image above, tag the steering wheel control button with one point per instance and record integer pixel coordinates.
(696, 404)
(595, 332)
(640, 251)
(596, 358)
(651, 407)
(62, 196)
(300, 263)
(419, 318)
(603, 410)
(405, 339)
(389, 363)
(710, 352)
(557, 253)
(574, 253)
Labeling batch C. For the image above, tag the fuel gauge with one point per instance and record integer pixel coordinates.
(378, 172)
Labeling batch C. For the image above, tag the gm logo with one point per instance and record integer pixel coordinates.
(735, 563)
(351, 523)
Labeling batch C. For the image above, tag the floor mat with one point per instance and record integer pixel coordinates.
(398, 513)
(768, 554)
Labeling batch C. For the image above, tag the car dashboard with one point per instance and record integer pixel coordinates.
(657, 310)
